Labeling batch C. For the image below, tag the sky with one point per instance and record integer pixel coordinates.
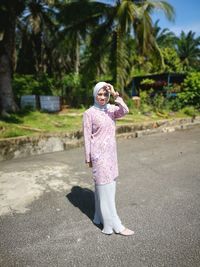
(187, 16)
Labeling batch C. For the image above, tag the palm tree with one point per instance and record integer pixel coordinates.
(125, 20)
(143, 26)
(77, 18)
(10, 10)
(164, 37)
(36, 25)
(188, 49)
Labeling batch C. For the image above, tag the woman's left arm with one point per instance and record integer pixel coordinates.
(121, 109)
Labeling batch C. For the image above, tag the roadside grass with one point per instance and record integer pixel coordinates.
(31, 123)
(35, 122)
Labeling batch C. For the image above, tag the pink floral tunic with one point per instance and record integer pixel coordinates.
(100, 142)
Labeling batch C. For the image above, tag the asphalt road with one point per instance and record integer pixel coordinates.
(47, 204)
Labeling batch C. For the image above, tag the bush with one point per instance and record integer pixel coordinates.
(69, 87)
(31, 85)
(190, 111)
(130, 103)
(147, 81)
(145, 102)
(174, 104)
(74, 94)
(145, 97)
(23, 85)
(158, 102)
(190, 94)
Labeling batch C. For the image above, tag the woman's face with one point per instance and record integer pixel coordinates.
(102, 97)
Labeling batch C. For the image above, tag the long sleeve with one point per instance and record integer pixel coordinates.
(87, 132)
(121, 109)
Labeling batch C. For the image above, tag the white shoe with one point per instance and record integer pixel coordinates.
(126, 232)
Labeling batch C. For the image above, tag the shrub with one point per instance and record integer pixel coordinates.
(190, 111)
(145, 97)
(190, 94)
(145, 101)
(130, 103)
(31, 85)
(158, 102)
(73, 92)
(174, 104)
(147, 81)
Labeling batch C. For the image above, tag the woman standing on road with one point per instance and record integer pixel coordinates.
(101, 155)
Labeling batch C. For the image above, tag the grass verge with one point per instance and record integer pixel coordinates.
(35, 122)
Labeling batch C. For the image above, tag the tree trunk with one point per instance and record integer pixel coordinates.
(119, 66)
(77, 54)
(7, 62)
(7, 102)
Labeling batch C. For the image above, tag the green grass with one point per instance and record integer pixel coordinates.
(35, 122)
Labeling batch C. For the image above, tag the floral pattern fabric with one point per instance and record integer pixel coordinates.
(100, 141)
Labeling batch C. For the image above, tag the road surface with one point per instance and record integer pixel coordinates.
(47, 204)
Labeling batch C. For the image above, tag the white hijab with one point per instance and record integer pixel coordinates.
(96, 89)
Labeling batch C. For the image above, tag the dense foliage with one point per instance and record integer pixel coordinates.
(190, 94)
(59, 47)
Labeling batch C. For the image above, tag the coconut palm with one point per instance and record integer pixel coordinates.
(10, 10)
(164, 37)
(124, 20)
(188, 49)
(77, 18)
(36, 25)
(143, 26)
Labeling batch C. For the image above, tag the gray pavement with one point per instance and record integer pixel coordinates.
(47, 204)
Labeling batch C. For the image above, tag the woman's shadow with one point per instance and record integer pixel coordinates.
(83, 198)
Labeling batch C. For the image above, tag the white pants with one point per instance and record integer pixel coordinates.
(105, 209)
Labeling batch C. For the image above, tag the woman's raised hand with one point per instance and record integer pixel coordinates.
(111, 90)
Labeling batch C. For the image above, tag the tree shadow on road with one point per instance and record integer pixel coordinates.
(83, 198)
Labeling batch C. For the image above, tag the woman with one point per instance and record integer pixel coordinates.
(101, 155)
